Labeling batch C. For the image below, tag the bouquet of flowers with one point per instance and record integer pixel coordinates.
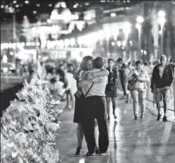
(30, 125)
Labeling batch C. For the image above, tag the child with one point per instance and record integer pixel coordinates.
(56, 87)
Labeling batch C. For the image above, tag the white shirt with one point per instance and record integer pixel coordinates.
(143, 74)
(98, 89)
(72, 83)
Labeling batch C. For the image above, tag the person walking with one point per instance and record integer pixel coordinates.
(161, 81)
(137, 84)
(71, 87)
(111, 88)
(121, 69)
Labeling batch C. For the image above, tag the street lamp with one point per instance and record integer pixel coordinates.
(139, 21)
(126, 30)
(161, 21)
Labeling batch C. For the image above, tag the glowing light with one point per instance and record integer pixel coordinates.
(107, 32)
(50, 5)
(113, 43)
(75, 17)
(82, 160)
(140, 19)
(25, 16)
(5, 59)
(127, 28)
(161, 21)
(54, 15)
(161, 13)
(34, 12)
(2, 6)
(138, 26)
(16, 6)
(123, 43)
(72, 41)
(14, 2)
(49, 21)
(38, 5)
(63, 4)
(131, 43)
(11, 53)
(67, 42)
(113, 14)
(101, 35)
(75, 5)
(26, 2)
(119, 43)
(87, 4)
(79, 40)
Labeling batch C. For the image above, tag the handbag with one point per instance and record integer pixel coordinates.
(132, 83)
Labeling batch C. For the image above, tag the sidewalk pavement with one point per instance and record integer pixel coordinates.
(151, 106)
(141, 141)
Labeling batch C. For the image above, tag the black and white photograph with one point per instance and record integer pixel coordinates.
(87, 81)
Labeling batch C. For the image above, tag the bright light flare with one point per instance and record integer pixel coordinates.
(26, 2)
(161, 13)
(113, 14)
(138, 26)
(161, 21)
(127, 28)
(140, 19)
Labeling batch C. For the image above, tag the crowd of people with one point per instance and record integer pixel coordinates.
(90, 89)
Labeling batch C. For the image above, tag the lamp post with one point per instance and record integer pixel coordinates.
(126, 30)
(139, 21)
(161, 21)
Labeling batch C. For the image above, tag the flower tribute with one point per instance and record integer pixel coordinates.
(30, 125)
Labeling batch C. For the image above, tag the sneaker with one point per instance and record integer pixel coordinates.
(158, 117)
(78, 151)
(90, 154)
(164, 118)
(103, 154)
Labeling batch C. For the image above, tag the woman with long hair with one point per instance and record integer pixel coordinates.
(137, 84)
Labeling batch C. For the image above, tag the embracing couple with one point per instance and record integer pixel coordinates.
(90, 106)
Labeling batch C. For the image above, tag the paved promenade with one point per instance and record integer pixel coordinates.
(142, 141)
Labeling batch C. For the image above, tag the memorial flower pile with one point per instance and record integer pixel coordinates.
(30, 125)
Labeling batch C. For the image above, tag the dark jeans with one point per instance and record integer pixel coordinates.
(96, 109)
(124, 87)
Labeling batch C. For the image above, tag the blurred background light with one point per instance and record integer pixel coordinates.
(161, 13)
(113, 14)
(140, 19)
(26, 2)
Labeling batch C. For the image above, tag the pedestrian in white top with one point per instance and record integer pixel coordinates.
(137, 84)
